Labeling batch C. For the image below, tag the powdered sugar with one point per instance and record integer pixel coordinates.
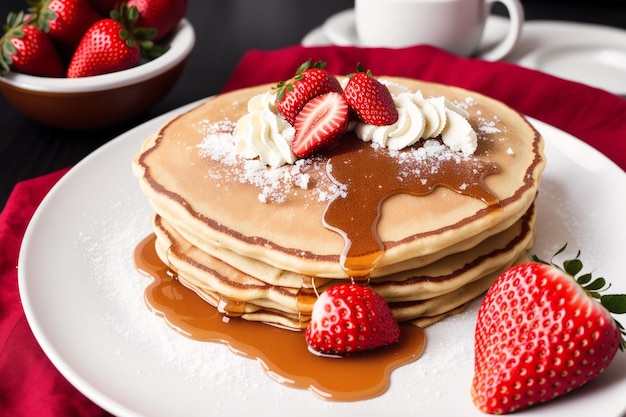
(485, 126)
(275, 185)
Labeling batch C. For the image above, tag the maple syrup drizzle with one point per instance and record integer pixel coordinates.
(283, 353)
(368, 176)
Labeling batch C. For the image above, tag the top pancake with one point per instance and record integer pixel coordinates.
(193, 178)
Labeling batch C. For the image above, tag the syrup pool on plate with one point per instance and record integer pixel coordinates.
(282, 353)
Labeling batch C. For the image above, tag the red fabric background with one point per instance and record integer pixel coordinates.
(29, 383)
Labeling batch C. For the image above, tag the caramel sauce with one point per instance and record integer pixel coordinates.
(369, 176)
(283, 353)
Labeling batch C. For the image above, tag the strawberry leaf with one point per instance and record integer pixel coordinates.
(596, 285)
(615, 303)
(560, 250)
(573, 266)
(304, 66)
(583, 279)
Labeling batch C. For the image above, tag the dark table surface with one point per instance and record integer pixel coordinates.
(225, 30)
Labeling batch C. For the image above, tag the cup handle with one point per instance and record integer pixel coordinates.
(516, 21)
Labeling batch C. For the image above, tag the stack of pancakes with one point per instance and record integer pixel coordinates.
(252, 240)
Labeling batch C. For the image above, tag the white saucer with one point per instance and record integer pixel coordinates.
(591, 54)
(316, 37)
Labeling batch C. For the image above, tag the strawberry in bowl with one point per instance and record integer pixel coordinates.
(112, 44)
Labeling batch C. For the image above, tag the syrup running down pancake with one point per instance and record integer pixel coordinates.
(428, 231)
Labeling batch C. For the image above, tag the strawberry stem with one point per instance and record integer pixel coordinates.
(614, 303)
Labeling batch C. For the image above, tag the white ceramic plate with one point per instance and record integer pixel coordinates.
(340, 29)
(84, 302)
(592, 54)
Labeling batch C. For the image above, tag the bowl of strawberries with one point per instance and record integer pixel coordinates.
(88, 64)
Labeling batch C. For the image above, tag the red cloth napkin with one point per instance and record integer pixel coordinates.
(31, 386)
(593, 115)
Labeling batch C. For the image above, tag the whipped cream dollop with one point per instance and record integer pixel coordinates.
(421, 118)
(263, 133)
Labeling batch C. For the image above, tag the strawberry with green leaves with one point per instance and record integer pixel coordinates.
(163, 15)
(111, 44)
(320, 124)
(370, 99)
(309, 82)
(350, 318)
(27, 49)
(542, 332)
(65, 21)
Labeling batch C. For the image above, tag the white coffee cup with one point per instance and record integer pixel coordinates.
(454, 25)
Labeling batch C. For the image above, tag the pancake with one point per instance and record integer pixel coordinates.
(430, 291)
(257, 238)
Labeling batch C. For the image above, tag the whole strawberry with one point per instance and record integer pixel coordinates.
(65, 21)
(27, 49)
(109, 45)
(308, 83)
(349, 318)
(163, 15)
(320, 124)
(540, 333)
(370, 99)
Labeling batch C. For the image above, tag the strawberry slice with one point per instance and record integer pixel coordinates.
(540, 333)
(320, 124)
(349, 318)
(310, 81)
(370, 99)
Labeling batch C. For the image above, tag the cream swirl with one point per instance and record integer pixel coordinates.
(421, 118)
(263, 133)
